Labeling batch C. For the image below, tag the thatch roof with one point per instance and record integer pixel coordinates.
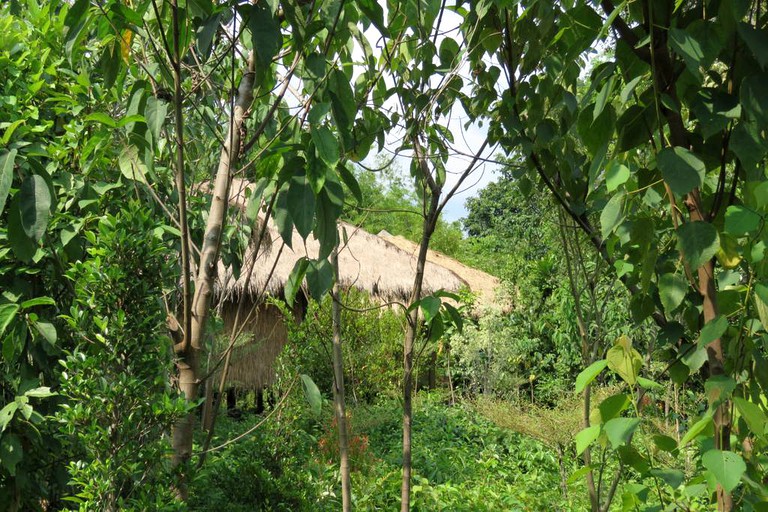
(483, 285)
(366, 262)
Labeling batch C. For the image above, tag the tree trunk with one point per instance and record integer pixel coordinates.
(189, 351)
(412, 327)
(338, 388)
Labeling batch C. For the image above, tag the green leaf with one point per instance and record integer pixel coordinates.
(326, 231)
(696, 429)
(665, 443)
(283, 218)
(155, 113)
(685, 45)
(430, 307)
(265, 33)
(740, 220)
(319, 278)
(715, 110)
(728, 467)
(757, 42)
(47, 330)
(612, 215)
(613, 406)
(589, 374)
(23, 247)
(7, 314)
(620, 430)
(374, 12)
(754, 97)
(634, 127)
(101, 118)
(351, 182)
(131, 165)
(585, 437)
(754, 416)
(7, 161)
(6, 415)
(682, 170)
(301, 204)
(616, 174)
(11, 452)
(41, 392)
(648, 383)
(672, 291)
(624, 360)
(603, 97)
(718, 389)
(672, 477)
(761, 303)
(38, 301)
(714, 329)
(312, 394)
(595, 133)
(698, 241)
(326, 145)
(34, 206)
(296, 277)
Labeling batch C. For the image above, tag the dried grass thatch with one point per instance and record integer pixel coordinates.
(366, 262)
(485, 286)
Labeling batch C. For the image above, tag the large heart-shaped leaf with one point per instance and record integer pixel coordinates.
(728, 467)
(682, 170)
(698, 241)
(34, 206)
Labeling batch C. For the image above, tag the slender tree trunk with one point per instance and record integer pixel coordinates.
(338, 388)
(412, 328)
(189, 352)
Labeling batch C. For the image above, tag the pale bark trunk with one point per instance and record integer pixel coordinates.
(338, 389)
(189, 352)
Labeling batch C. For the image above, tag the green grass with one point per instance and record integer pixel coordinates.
(460, 462)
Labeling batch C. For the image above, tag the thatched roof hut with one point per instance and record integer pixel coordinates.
(485, 286)
(366, 262)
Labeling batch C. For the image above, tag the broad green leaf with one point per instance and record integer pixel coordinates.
(756, 419)
(616, 174)
(626, 92)
(7, 161)
(694, 357)
(648, 383)
(283, 218)
(685, 45)
(698, 241)
(754, 97)
(718, 389)
(7, 314)
(595, 133)
(761, 303)
(342, 105)
(301, 204)
(612, 215)
(665, 443)
(714, 329)
(589, 374)
(296, 277)
(430, 307)
(672, 291)
(603, 97)
(672, 477)
(312, 394)
(131, 165)
(38, 301)
(41, 392)
(23, 247)
(325, 226)
(634, 127)
(624, 360)
(11, 452)
(47, 330)
(728, 467)
(613, 406)
(34, 206)
(102, 118)
(455, 316)
(374, 12)
(715, 110)
(620, 430)
(319, 278)
(682, 170)
(265, 33)
(740, 220)
(155, 114)
(350, 181)
(326, 145)
(585, 437)
(747, 143)
(757, 42)
(6, 415)
(696, 429)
